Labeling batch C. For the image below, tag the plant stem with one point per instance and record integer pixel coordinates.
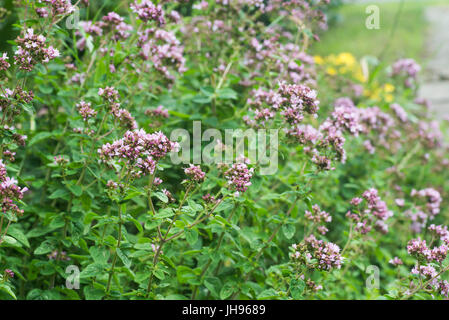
(245, 279)
(220, 241)
(114, 260)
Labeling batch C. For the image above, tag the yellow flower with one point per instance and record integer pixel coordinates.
(375, 94)
(318, 60)
(331, 71)
(346, 58)
(366, 92)
(359, 76)
(343, 70)
(388, 87)
(331, 59)
(389, 98)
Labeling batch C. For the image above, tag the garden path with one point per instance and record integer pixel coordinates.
(436, 86)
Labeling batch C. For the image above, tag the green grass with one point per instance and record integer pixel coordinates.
(347, 33)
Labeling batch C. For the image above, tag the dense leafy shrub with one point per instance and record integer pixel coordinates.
(91, 94)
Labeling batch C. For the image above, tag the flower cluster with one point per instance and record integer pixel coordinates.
(58, 255)
(420, 216)
(396, 261)
(125, 118)
(59, 7)
(319, 218)
(147, 11)
(428, 258)
(332, 139)
(374, 215)
(9, 99)
(208, 198)
(305, 134)
(288, 60)
(292, 101)
(259, 98)
(430, 134)
(31, 51)
(9, 273)
(9, 192)
(440, 231)
(115, 23)
(4, 64)
(419, 249)
(380, 124)
(85, 110)
(159, 112)
(317, 254)
(110, 96)
(60, 160)
(433, 198)
(407, 68)
(428, 272)
(9, 155)
(169, 195)
(296, 100)
(163, 49)
(432, 278)
(42, 12)
(346, 116)
(138, 151)
(194, 173)
(239, 176)
(400, 113)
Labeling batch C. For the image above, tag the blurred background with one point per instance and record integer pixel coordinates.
(417, 29)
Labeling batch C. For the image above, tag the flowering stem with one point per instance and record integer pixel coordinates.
(165, 239)
(178, 211)
(423, 285)
(6, 230)
(197, 221)
(266, 246)
(220, 241)
(114, 260)
(349, 239)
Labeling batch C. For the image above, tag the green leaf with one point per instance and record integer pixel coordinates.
(76, 190)
(124, 258)
(194, 206)
(289, 230)
(39, 137)
(60, 193)
(227, 93)
(93, 293)
(202, 99)
(93, 270)
(39, 231)
(224, 205)
(19, 235)
(191, 235)
(159, 274)
(11, 241)
(44, 247)
(297, 288)
(185, 274)
(164, 213)
(99, 254)
(161, 196)
(214, 285)
(226, 291)
(267, 294)
(6, 288)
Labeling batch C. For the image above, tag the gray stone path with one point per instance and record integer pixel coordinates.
(436, 86)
